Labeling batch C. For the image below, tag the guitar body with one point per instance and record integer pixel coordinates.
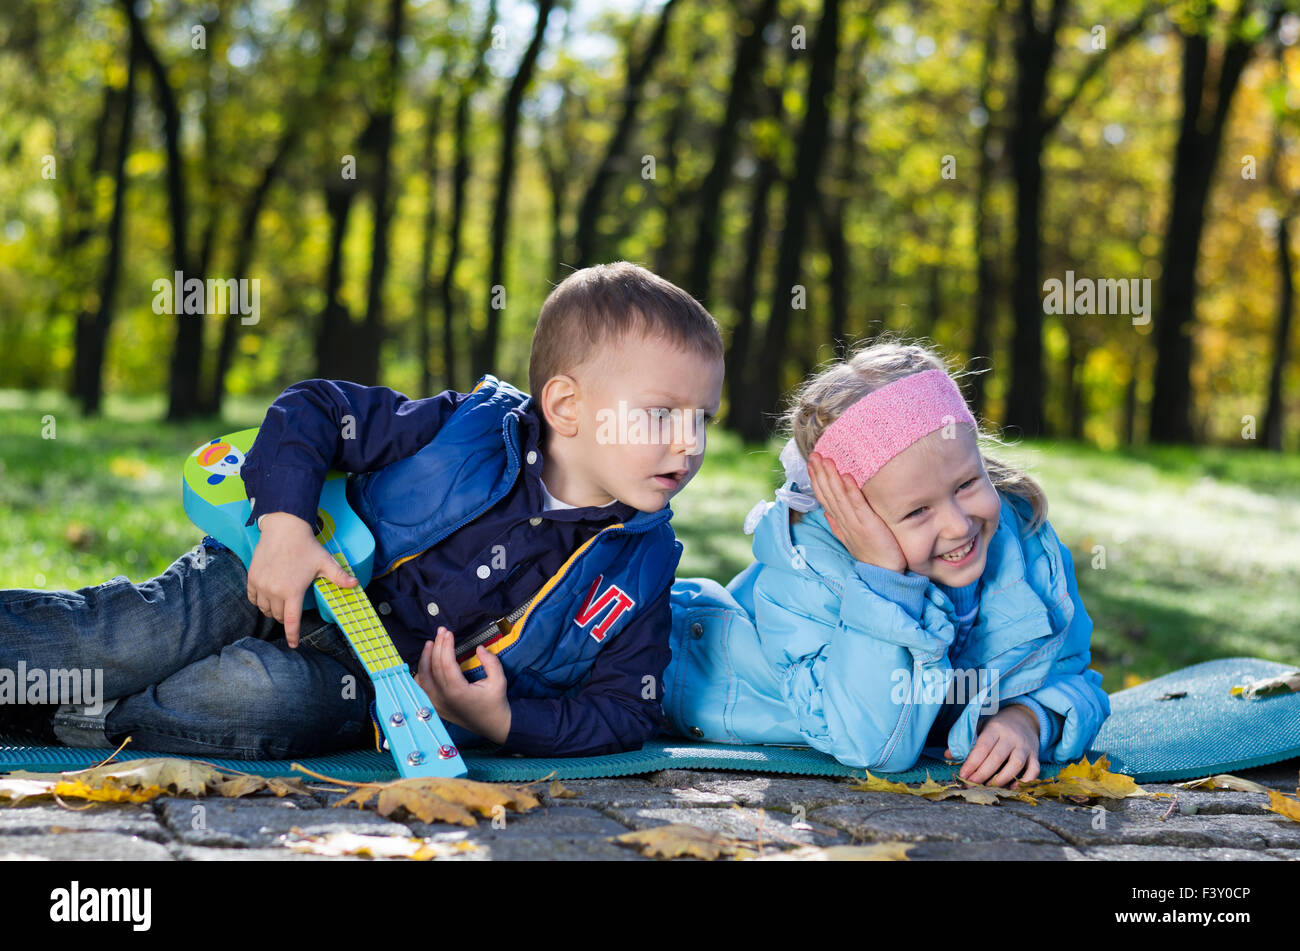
(215, 500)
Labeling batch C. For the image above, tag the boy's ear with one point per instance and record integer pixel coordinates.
(561, 401)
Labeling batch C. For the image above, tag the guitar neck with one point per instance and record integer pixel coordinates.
(357, 619)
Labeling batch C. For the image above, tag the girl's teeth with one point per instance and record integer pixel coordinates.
(960, 554)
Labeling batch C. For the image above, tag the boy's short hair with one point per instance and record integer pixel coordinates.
(604, 303)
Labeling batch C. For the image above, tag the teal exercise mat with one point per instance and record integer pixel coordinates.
(1188, 724)
(1201, 729)
(368, 765)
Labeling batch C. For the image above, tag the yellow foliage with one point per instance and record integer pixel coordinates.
(680, 840)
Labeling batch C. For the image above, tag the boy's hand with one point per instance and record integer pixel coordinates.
(1008, 737)
(859, 528)
(286, 561)
(480, 706)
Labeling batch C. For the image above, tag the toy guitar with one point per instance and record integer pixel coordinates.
(216, 501)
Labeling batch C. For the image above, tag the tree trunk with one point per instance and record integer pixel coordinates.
(459, 176)
(92, 330)
(381, 142)
(800, 197)
(486, 353)
(587, 237)
(1199, 138)
(186, 363)
(432, 127)
(986, 288)
(749, 54)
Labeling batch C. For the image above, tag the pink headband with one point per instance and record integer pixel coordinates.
(886, 421)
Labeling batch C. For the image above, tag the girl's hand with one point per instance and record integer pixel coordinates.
(1008, 739)
(860, 529)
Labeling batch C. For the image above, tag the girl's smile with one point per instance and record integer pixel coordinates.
(938, 502)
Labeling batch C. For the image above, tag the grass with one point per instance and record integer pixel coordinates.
(1182, 555)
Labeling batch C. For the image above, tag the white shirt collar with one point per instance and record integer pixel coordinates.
(551, 502)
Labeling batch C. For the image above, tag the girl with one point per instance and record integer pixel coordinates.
(908, 594)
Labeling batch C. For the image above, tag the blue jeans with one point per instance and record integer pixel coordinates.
(188, 665)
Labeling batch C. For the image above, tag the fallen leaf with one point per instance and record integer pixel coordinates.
(1282, 683)
(876, 852)
(1224, 781)
(13, 791)
(437, 799)
(876, 784)
(1283, 805)
(1084, 780)
(558, 791)
(680, 840)
(974, 792)
(375, 846)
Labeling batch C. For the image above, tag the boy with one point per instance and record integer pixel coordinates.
(523, 555)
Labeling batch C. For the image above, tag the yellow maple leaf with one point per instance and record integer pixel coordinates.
(76, 789)
(1283, 805)
(439, 799)
(680, 840)
(1091, 780)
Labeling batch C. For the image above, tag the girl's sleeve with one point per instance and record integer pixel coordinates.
(1072, 693)
(864, 675)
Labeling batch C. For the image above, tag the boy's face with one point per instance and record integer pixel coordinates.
(629, 424)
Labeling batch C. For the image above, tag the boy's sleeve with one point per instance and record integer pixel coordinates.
(318, 425)
(862, 687)
(1071, 696)
(618, 708)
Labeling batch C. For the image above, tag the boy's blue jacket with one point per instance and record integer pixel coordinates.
(445, 480)
(798, 649)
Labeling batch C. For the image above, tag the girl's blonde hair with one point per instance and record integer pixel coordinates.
(821, 399)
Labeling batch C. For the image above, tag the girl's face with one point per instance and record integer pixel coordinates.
(938, 501)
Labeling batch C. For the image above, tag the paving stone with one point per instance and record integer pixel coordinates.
(625, 792)
(123, 819)
(82, 847)
(739, 823)
(555, 822)
(944, 821)
(551, 849)
(773, 791)
(994, 851)
(1287, 855)
(1140, 822)
(1210, 802)
(234, 822)
(1165, 853)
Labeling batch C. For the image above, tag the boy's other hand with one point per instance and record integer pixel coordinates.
(480, 706)
(286, 561)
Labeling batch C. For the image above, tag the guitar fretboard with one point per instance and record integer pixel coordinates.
(358, 620)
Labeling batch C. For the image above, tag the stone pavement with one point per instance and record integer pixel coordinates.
(783, 811)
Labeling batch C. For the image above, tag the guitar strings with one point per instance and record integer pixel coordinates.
(356, 606)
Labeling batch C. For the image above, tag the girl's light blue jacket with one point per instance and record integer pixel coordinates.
(799, 650)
